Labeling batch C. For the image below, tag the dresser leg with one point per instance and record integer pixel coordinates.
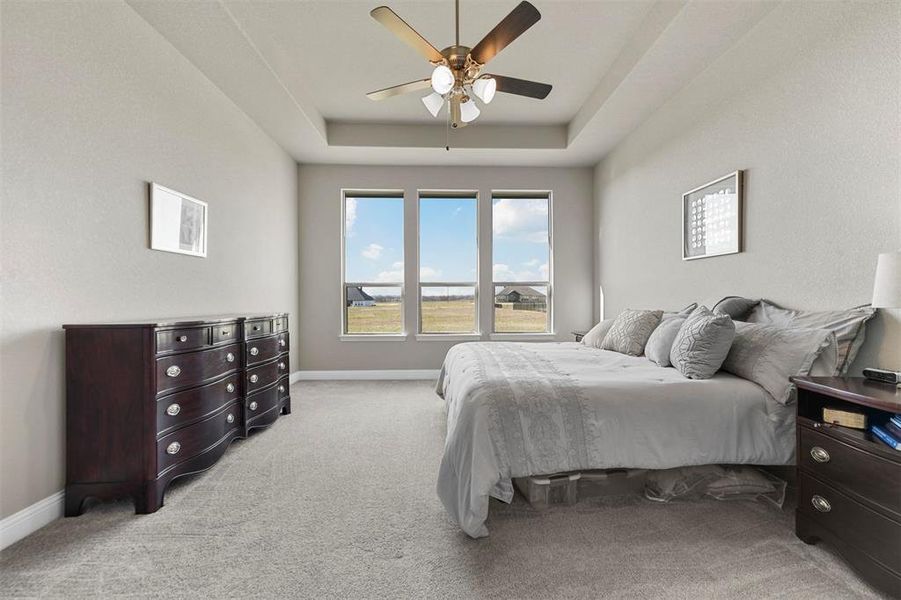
(74, 503)
(802, 531)
(286, 407)
(150, 499)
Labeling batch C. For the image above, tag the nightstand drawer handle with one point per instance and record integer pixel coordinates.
(173, 371)
(173, 409)
(819, 454)
(173, 448)
(821, 504)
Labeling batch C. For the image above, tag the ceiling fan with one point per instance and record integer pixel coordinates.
(457, 75)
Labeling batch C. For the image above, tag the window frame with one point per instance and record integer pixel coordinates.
(550, 332)
(343, 334)
(437, 194)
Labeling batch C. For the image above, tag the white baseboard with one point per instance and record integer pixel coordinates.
(383, 374)
(31, 518)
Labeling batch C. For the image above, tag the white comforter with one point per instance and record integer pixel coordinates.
(518, 409)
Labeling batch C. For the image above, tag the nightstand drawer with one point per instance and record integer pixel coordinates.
(865, 529)
(858, 472)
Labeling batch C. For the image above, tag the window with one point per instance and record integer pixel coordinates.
(448, 263)
(373, 245)
(521, 248)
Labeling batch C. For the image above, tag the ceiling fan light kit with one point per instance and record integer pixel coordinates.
(457, 76)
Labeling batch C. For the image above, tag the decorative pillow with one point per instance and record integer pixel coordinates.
(735, 306)
(594, 335)
(769, 355)
(658, 347)
(630, 331)
(849, 326)
(702, 343)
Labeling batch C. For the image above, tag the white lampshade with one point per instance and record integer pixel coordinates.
(433, 102)
(484, 88)
(442, 79)
(469, 111)
(887, 289)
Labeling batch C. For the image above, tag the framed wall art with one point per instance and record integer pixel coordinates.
(178, 222)
(711, 218)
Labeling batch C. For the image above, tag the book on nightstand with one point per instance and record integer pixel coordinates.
(885, 437)
(845, 418)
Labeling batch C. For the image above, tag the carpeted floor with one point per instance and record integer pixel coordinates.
(337, 501)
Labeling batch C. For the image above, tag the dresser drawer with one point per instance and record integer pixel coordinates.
(171, 340)
(257, 328)
(862, 474)
(263, 349)
(262, 376)
(185, 370)
(181, 408)
(226, 332)
(284, 388)
(261, 403)
(865, 529)
(280, 324)
(192, 440)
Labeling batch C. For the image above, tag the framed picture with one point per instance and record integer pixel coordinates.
(177, 222)
(711, 218)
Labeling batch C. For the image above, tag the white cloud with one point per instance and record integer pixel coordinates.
(372, 251)
(503, 272)
(426, 273)
(521, 219)
(531, 263)
(350, 216)
(545, 271)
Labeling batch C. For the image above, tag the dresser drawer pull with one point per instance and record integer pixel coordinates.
(182, 338)
(254, 378)
(253, 405)
(281, 343)
(819, 454)
(281, 366)
(173, 371)
(256, 327)
(230, 388)
(230, 418)
(230, 357)
(281, 388)
(173, 448)
(225, 332)
(821, 504)
(173, 409)
(254, 351)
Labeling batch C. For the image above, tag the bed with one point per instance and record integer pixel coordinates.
(519, 409)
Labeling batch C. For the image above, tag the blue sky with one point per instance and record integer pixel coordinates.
(448, 250)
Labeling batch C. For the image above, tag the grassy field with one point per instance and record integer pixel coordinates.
(452, 316)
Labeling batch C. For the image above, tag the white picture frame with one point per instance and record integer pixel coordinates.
(712, 218)
(178, 222)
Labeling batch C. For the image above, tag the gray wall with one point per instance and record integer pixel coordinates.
(95, 104)
(816, 128)
(320, 259)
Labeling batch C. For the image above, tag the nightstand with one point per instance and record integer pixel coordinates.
(578, 334)
(849, 484)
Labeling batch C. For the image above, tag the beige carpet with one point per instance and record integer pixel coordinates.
(337, 501)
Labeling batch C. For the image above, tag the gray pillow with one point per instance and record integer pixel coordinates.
(769, 355)
(702, 343)
(594, 335)
(849, 326)
(658, 347)
(735, 306)
(630, 331)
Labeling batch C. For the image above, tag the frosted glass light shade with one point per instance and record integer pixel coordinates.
(887, 288)
(484, 88)
(442, 79)
(433, 102)
(469, 111)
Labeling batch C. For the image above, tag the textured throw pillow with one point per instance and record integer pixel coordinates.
(849, 326)
(630, 331)
(769, 355)
(596, 334)
(702, 344)
(735, 306)
(658, 347)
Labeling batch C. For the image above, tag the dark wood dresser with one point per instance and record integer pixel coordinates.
(149, 402)
(850, 483)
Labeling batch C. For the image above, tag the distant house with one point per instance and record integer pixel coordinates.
(357, 297)
(519, 293)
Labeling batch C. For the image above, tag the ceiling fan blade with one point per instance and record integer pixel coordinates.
(407, 34)
(397, 90)
(511, 27)
(522, 87)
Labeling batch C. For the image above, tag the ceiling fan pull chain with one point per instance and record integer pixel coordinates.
(447, 130)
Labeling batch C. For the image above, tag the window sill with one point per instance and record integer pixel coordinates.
(448, 337)
(522, 337)
(373, 337)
